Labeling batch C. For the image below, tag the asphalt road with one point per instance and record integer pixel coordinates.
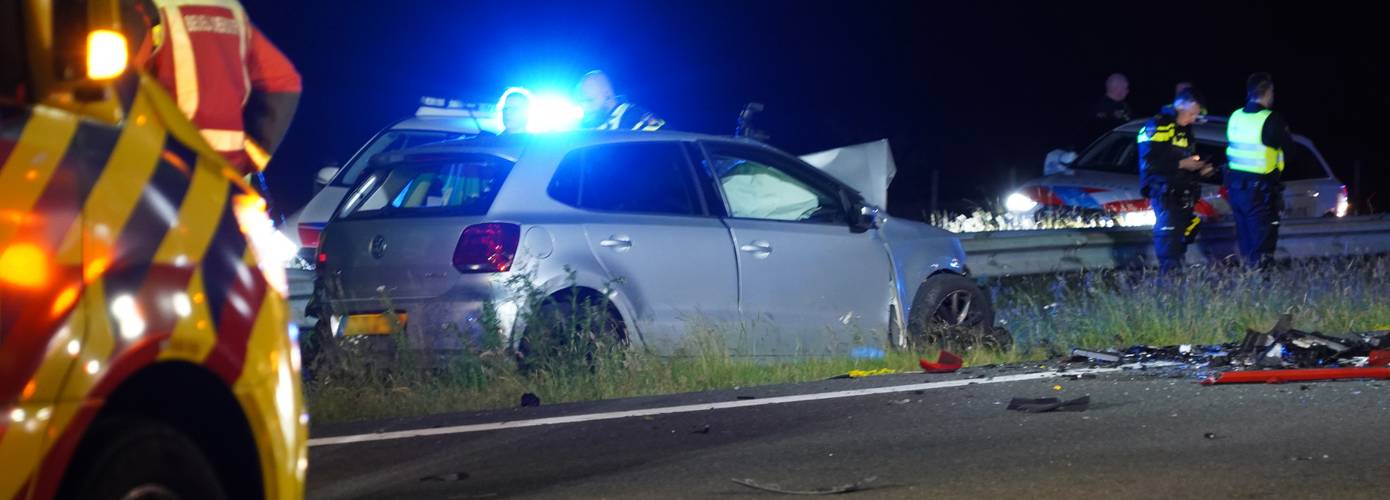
(1142, 437)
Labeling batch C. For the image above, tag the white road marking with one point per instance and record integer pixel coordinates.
(743, 403)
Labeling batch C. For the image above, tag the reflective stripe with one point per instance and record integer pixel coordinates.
(185, 65)
(224, 140)
(1246, 150)
(259, 157)
(32, 162)
(198, 216)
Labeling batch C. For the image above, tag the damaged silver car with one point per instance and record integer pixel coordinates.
(661, 230)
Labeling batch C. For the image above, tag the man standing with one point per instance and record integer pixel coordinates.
(1257, 139)
(1168, 173)
(225, 75)
(605, 110)
(1112, 110)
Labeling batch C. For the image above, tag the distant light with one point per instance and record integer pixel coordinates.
(1343, 203)
(106, 54)
(93, 367)
(1019, 202)
(552, 113)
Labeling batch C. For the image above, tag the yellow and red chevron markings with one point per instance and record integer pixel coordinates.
(120, 248)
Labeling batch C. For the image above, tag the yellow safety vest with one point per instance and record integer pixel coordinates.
(1247, 151)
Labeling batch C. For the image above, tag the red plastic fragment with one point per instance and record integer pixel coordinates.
(946, 363)
(1303, 375)
(1380, 357)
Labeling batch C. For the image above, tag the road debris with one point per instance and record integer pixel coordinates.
(834, 490)
(945, 363)
(457, 476)
(1294, 375)
(1282, 354)
(864, 373)
(1043, 405)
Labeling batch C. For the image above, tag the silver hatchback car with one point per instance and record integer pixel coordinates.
(665, 229)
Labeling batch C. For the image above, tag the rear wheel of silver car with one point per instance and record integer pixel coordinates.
(571, 331)
(950, 311)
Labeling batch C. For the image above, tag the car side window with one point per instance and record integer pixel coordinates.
(760, 185)
(641, 177)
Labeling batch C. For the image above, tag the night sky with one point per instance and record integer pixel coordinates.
(973, 90)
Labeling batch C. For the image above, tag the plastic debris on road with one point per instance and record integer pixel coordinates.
(946, 363)
(1043, 405)
(1280, 355)
(833, 490)
(865, 373)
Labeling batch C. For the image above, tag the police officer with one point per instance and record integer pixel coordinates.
(605, 110)
(1168, 173)
(1257, 139)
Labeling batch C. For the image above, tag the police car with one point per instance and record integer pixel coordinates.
(146, 349)
(1102, 182)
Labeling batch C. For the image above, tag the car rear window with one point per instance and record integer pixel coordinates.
(457, 185)
(391, 140)
(1301, 164)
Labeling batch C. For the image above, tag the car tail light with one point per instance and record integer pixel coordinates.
(487, 248)
(309, 234)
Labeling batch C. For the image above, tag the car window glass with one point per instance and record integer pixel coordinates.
(391, 140)
(644, 177)
(465, 186)
(760, 188)
(1116, 152)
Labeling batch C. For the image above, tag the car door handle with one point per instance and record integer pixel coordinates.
(758, 248)
(618, 242)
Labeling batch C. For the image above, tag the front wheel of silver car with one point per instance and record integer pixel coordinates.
(950, 311)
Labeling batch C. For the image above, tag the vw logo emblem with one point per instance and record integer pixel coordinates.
(378, 247)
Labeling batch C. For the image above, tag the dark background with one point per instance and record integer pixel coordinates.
(978, 91)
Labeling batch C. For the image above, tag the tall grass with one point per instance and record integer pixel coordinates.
(1047, 315)
(1206, 305)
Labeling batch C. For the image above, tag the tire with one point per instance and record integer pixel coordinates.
(135, 459)
(950, 311)
(570, 332)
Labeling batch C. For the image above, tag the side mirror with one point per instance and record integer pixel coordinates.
(865, 217)
(325, 176)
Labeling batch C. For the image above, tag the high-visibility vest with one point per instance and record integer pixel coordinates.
(1246, 150)
(210, 57)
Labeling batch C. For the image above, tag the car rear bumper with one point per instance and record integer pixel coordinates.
(425, 324)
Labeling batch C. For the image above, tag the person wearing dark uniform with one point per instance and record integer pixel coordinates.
(605, 110)
(1169, 170)
(1257, 139)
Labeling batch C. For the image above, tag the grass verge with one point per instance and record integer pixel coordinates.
(1047, 316)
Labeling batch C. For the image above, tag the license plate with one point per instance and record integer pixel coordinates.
(373, 324)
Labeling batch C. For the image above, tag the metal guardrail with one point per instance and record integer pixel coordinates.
(1002, 253)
